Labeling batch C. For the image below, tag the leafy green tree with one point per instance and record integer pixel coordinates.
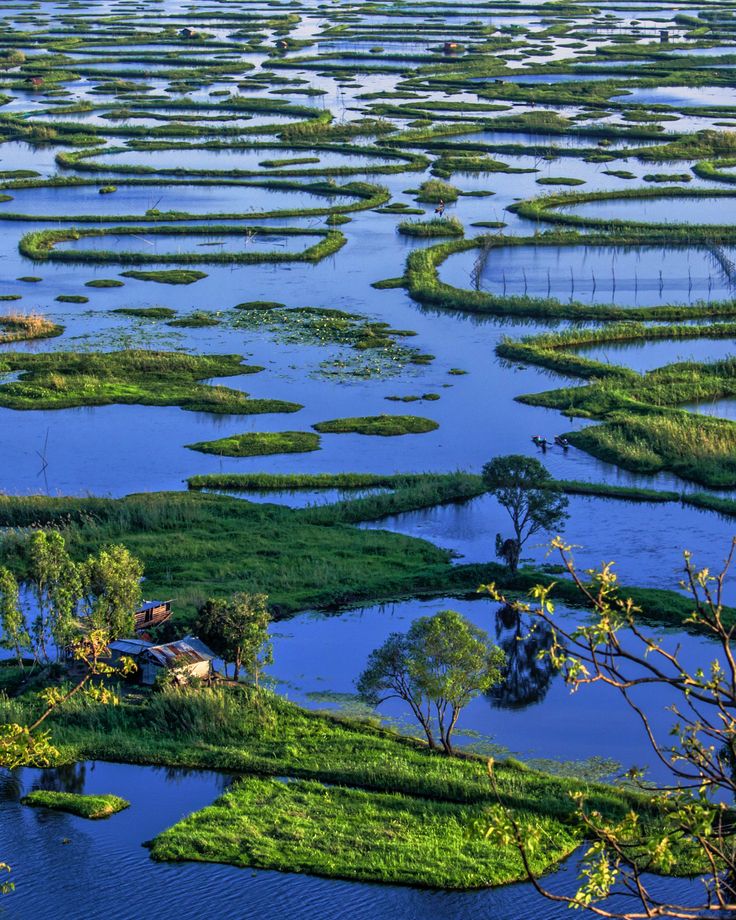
(13, 628)
(687, 823)
(63, 599)
(438, 667)
(526, 490)
(236, 629)
(112, 589)
(56, 583)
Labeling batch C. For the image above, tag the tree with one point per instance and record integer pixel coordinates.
(526, 490)
(63, 599)
(112, 590)
(688, 820)
(437, 667)
(13, 630)
(237, 631)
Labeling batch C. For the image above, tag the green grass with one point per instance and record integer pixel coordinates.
(39, 245)
(104, 283)
(63, 380)
(257, 443)
(383, 425)
(147, 312)
(339, 832)
(167, 276)
(435, 190)
(643, 428)
(84, 806)
(436, 227)
(421, 279)
(415, 805)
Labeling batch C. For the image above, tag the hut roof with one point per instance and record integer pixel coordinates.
(178, 653)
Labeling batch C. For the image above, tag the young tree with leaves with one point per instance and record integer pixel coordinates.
(236, 629)
(526, 490)
(690, 819)
(438, 667)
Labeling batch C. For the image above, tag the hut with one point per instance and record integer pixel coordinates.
(152, 613)
(451, 47)
(185, 659)
(664, 36)
(282, 44)
(127, 648)
(188, 33)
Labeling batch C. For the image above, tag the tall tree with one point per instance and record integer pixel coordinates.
(526, 490)
(438, 667)
(112, 590)
(13, 627)
(236, 629)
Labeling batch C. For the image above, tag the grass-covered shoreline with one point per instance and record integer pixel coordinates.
(84, 806)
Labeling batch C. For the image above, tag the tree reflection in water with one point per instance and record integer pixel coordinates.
(527, 676)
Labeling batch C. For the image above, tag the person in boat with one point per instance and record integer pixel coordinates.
(540, 441)
(562, 441)
(440, 209)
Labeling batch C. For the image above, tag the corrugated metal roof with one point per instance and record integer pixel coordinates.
(199, 646)
(129, 646)
(175, 653)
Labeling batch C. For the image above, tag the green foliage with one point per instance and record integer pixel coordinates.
(259, 443)
(167, 276)
(438, 226)
(59, 380)
(437, 668)
(383, 425)
(524, 488)
(84, 806)
(432, 191)
(349, 833)
(236, 629)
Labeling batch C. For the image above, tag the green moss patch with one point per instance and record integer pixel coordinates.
(382, 425)
(84, 806)
(62, 380)
(254, 444)
(147, 312)
(167, 276)
(104, 283)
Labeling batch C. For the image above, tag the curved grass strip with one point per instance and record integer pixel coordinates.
(403, 161)
(545, 208)
(714, 170)
(341, 832)
(436, 227)
(369, 196)
(382, 425)
(260, 443)
(421, 280)
(84, 806)
(39, 246)
(643, 429)
(64, 380)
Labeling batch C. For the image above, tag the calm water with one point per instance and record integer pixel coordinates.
(636, 276)
(82, 863)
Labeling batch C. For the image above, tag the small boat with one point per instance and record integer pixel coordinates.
(561, 441)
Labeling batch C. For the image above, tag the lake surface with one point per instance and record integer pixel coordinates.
(120, 54)
(81, 862)
(635, 276)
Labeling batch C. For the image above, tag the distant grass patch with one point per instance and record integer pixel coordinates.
(259, 305)
(104, 283)
(437, 227)
(72, 298)
(166, 276)
(84, 806)
(382, 425)
(62, 380)
(256, 443)
(147, 312)
(197, 320)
